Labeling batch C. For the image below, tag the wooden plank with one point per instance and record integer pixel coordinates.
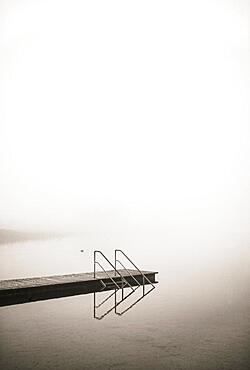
(62, 279)
(38, 288)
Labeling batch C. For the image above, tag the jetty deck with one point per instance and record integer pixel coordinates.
(18, 291)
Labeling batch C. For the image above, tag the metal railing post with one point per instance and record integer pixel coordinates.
(94, 264)
(141, 273)
(115, 261)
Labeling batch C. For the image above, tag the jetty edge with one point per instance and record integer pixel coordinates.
(17, 291)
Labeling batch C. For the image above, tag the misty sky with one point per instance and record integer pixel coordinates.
(124, 105)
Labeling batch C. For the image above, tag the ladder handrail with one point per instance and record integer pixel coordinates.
(144, 276)
(138, 283)
(111, 264)
(108, 275)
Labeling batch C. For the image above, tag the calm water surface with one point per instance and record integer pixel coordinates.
(197, 317)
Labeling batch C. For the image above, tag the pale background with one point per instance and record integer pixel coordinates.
(128, 120)
(125, 124)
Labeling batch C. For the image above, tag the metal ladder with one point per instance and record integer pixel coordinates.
(144, 278)
(117, 285)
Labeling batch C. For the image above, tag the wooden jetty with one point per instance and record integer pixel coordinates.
(41, 288)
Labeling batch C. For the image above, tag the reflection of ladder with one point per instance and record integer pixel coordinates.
(121, 279)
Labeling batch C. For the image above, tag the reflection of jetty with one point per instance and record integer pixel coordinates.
(48, 287)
